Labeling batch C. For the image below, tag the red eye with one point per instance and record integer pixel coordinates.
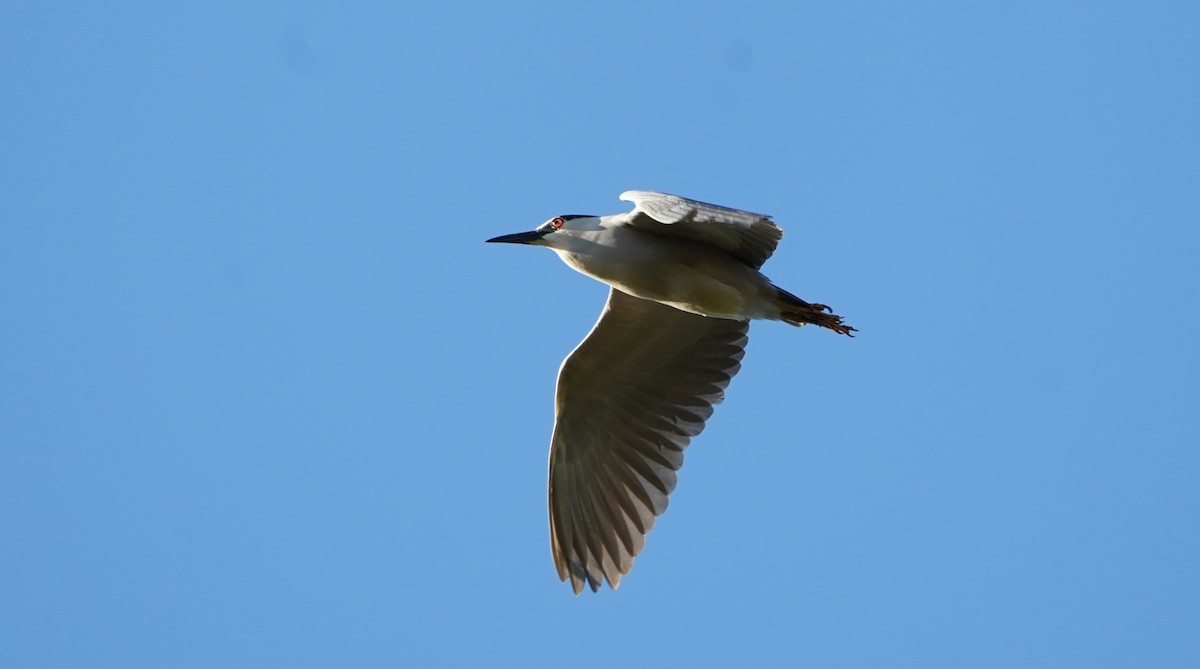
(557, 222)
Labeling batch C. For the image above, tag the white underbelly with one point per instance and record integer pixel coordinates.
(713, 289)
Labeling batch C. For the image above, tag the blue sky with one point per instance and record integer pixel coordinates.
(268, 400)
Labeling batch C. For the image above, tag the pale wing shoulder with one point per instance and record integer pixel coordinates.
(750, 237)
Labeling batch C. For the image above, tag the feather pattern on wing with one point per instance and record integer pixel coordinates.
(630, 398)
(747, 236)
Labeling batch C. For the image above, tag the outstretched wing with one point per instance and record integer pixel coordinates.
(747, 236)
(630, 398)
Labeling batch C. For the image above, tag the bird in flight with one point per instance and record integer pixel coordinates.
(684, 284)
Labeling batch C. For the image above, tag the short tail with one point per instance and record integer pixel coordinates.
(795, 311)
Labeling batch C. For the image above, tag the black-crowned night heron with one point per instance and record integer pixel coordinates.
(684, 283)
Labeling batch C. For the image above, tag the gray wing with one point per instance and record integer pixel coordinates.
(630, 398)
(749, 237)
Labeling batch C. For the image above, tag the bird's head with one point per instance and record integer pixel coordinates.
(554, 232)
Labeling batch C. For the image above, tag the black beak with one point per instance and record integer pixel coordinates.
(519, 237)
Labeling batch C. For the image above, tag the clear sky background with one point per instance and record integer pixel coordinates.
(267, 399)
